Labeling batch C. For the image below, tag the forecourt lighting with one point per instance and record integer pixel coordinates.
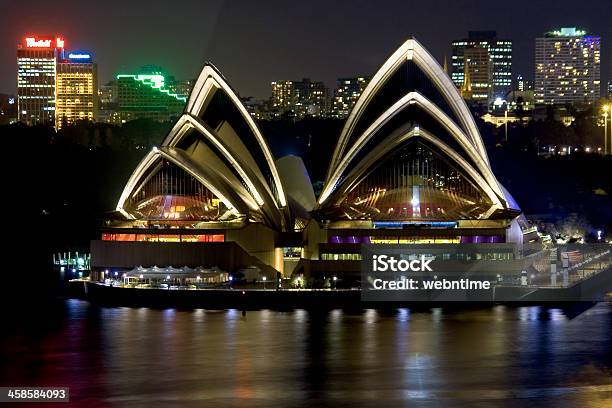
(383, 263)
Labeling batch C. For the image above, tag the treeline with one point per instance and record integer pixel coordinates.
(531, 137)
(59, 184)
(137, 134)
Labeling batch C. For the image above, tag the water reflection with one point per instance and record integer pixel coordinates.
(482, 357)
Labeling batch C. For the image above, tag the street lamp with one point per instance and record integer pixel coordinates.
(335, 279)
(264, 282)
(610, 112)
(606, 108)
(506, 121)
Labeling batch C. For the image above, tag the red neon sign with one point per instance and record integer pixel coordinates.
(33, 42)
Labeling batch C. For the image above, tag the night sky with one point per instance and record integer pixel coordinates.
(255, 42)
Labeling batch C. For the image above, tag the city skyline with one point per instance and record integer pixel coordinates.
(320, 42)
(307, 204)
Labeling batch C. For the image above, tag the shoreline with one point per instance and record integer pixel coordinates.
(254, 299)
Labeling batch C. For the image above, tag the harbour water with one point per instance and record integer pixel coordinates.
(491, 356)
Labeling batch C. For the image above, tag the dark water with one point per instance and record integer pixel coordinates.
(498, 356)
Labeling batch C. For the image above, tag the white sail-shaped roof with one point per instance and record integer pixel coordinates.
(411, 98)
(218, 143)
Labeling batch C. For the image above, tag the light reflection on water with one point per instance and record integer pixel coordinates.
(491, 356)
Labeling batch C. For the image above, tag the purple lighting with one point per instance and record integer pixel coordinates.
(351, 239)
(481, 239)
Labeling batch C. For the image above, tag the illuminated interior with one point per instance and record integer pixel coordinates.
(169, 193)
(415, 182)
(151, 237)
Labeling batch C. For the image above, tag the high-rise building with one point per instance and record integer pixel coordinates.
(107, 103)
(145, 96)
(107, 93)
(299, 99)
(76, 89)
(257, 108)
(521, 84)
(477, 74)
(8, 109)
(284, 96)
(182, 88)
(567, 67)
(36, 66)
(610, 88)
(346, 94)
(495, 75)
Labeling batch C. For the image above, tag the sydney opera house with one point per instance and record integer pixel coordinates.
(409, 166)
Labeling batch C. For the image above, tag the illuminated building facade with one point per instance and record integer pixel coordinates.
(257, 108)
(298, 99)
(347, 92)
(521, 84)
(182, 88)
(36, 68)
(567, 67)
(492, 72)
(107, 103)
(8, 109)
(76, 89)
(477, 75)
(146, 96)
(212, 181)
(409, 166)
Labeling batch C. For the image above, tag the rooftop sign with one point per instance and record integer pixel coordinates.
(569, 32)
(80, 56)
(35, 42)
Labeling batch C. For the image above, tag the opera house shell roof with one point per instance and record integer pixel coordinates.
(409, 151)
(214, 166)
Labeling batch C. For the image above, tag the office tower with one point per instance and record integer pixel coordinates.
(257, 108)
(8, 109)
(107, 103)
(144, 95)
(107, 93)
(521, 84)
(567, 67)
(477, 75)
(36, 65)
(76, 89)
(299, 99)
(496, 75)
(347, 92)
(182, 88)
